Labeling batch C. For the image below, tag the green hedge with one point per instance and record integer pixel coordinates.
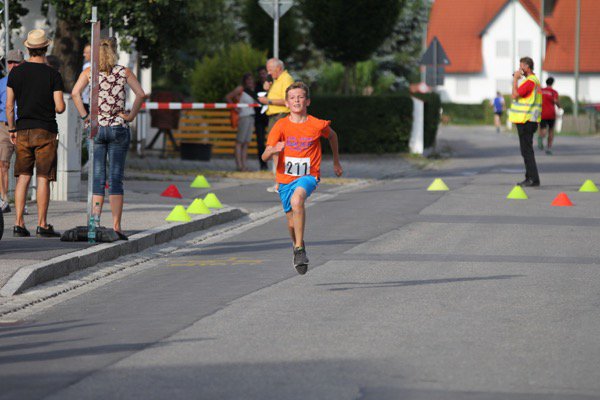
(367, 124)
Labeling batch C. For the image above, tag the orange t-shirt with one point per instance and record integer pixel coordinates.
(302, 152)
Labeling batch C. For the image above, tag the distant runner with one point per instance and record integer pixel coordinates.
(498, 110)
(549, 104)
(296, 140)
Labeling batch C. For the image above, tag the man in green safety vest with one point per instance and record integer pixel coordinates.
(526, 113)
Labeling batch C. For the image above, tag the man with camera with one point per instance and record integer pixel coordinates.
(526, 113)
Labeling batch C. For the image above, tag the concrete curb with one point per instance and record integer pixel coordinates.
(65, 264)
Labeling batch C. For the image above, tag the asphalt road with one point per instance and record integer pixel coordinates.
(410, 294)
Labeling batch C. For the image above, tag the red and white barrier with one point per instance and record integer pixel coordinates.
(196, 106)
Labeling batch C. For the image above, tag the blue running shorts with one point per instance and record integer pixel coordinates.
(308, 182)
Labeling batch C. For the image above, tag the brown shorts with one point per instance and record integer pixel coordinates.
(36, 147)
(6, 147)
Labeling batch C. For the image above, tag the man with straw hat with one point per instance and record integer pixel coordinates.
(38, 90)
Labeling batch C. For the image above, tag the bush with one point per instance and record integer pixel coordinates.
(464, 113)
(368, 79)
(433, 104)
(215, 76)
(566, 103)
(367, 124)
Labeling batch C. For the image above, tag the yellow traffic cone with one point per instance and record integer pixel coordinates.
(588, 186)
(437, 185)
(198, 207)
(178, 215)
(200, 182)
(517, 193)
(212, 201)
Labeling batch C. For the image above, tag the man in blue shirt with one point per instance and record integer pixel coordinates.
(14, 57)
(498, 110)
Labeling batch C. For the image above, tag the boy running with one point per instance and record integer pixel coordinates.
(297, 140)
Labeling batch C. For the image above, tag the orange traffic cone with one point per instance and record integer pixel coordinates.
(562, 200)
(172, 191)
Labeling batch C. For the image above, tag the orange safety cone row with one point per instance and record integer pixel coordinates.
(562, 200)
(172, 191)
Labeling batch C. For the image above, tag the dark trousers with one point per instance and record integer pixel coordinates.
(526, 132)
(260, 126)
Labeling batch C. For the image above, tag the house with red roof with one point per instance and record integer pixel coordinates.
(484, 40)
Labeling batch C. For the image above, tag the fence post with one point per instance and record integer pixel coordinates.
(68, 172)
(417, 133)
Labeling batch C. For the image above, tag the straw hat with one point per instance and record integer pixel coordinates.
(36, 39)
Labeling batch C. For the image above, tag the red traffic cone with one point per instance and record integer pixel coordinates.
(562, 200)
(172, 191)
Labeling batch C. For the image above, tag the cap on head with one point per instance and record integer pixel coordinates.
(15, 56)
(36, 39)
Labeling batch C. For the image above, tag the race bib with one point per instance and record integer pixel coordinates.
(295, 166)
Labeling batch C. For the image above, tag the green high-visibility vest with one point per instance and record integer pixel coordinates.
(529, 108)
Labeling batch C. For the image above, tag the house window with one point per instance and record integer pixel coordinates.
(525, 48)
(504, 85)
(502, 49)
(462, 86)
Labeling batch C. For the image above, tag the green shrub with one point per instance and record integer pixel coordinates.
(215, 76)
(367, 124)
(331, 78)
(464, 113)
(566, 103)
(433, 103)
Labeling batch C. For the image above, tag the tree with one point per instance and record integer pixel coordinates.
(402, 50)
(156, 29)
(349, 31)
(16, 11)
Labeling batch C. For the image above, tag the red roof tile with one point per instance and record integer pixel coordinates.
(560, 52)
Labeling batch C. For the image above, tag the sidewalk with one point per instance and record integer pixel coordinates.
(145, 211)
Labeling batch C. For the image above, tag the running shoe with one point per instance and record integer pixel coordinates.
(4, 206)
(300, 260)
(540, 143)
(549, 152)
(272, 189)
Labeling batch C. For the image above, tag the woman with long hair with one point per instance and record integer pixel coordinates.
(111, 143)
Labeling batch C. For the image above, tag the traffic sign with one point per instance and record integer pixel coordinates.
(269, 6)
(435, 54)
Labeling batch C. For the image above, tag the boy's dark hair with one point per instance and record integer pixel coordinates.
(37, 52)
(550, 81)
(528, 61)
(298, 85)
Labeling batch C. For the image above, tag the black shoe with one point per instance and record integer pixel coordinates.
(20, 231)
(46, 232)
(300, 260)
(529, 183)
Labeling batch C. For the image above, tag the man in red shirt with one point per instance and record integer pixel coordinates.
(549, 104)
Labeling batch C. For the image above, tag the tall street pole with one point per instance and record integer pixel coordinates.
(276, 28)
(6, 36)
(543, 38)
(514, 34)
(577, 33)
